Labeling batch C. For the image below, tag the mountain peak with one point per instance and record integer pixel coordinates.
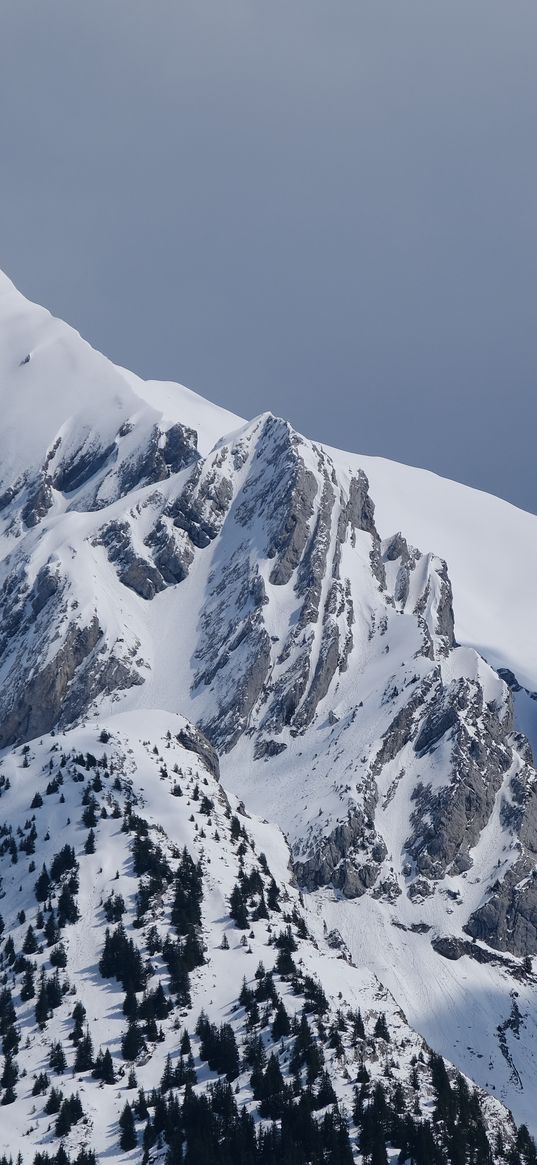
(241, 669)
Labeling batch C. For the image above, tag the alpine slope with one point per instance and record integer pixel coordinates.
(274, 704)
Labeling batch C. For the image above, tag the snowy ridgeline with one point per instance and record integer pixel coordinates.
(159, 553)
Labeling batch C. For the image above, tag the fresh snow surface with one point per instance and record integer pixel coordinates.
(54, 384)
(489, 545)
(457, 1006)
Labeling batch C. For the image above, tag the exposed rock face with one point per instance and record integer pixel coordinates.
(194, 741)
(91, 474)
(287, 496)
(307, 632)
(39, 501)
(45, 587)
(78, 468)
(53, 662)
(507, 919)
(135, 572)
(289, 542)
(447, 824)
(268, 748)
(445, 622)
(313, 566)
(349, 859)
(163, 454)
(202, 505)
(172, 551)
(58, 692)
(404, 725)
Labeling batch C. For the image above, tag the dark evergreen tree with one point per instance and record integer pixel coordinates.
(67, 905)
(28, 985)
(57, 1059)
(133, 1042)
(238, 909)
(78, 1015)
(54, 1102)
(70, 1113)
(51, 931)
(179, 976)
(29, 945)
(10, 1074)
(128, 1139)
(84, 1053)
(188, 894)
(41, 1083)
(103, 1068)
(281, 1026)
(381, 1028)
(273, 1093)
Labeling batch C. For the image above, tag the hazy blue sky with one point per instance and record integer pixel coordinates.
(327, 208)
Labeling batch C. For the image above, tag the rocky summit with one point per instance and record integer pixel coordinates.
(269, 833)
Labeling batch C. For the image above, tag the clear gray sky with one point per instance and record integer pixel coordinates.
(327, 208)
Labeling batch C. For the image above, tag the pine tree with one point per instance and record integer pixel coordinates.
(273, 1093)
(51, 931)
(29, 946)
(10, 1074)
(11, 1040)
(67, 907)
(70, 1113)
(358, 1029)
(28, 985)
(58, 956)
(42, 1009)
(237, 909)
(78, 1015)
(133, 1042)
(57, 1059)
(89, 816)
(84, 1053)
(273, 896)
(41, 1083)
(444, 1109)
(281, 1026)
(140, 1108)
(107, 1070)
(128, 1139)
(526, 1146)
(130, 1005)
(381, 1028)
(53, 1102)
(325, 1091)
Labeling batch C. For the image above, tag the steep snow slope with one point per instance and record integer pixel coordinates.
(158, 553)
(69, 415)
(491, 549)
(144, 789)
(482, 1015)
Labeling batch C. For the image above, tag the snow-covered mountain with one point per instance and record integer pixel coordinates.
(331, 625)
